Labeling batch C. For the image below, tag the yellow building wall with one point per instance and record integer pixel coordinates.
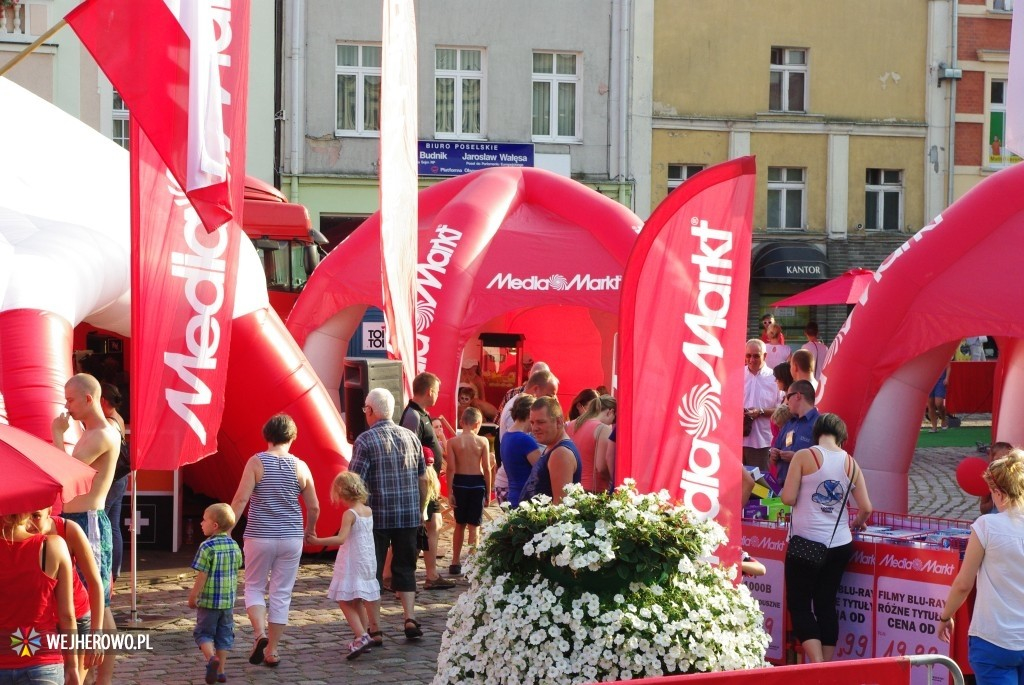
(867, 152)
(683, 147)
(866, 59)
(806, 151)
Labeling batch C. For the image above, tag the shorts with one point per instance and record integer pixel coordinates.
(404, 554)
(433, 507)
(216, 626)
(96, 527)
(469, 491)
(84, 623)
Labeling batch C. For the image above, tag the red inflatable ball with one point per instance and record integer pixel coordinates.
(968, 476)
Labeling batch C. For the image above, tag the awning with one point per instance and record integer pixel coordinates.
(790, 261)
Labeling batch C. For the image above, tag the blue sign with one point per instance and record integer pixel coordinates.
(454, 158)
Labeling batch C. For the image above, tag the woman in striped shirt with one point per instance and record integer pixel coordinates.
(272, 483)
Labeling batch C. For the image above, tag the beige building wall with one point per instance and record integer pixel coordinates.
(807, 151)
(868, 152)
(866, 59)
(687, 147)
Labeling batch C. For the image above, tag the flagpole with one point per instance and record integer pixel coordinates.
(134, 518)
(31, 48)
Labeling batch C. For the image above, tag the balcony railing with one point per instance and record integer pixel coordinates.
(23, 21)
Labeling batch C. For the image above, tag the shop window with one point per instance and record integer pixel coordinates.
(998, 155)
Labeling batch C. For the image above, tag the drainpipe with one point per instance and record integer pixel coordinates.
(296, 114)
(278, 91)
(951, 144)
(615, 94)
(626, 50)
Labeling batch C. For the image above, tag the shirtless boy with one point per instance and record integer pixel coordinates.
(98, 447)
(468, 459)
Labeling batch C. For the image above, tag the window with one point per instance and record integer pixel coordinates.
(358, 84)
(997, 154)
(883, 200)
(787, 90)
(556, 79)
(677, 173)
(119, 114)
(1002, 5)
(785, 197)
(458, 93)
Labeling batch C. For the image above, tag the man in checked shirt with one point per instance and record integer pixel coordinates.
(213, 594)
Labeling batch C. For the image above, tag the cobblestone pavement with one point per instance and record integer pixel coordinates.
(314, 647)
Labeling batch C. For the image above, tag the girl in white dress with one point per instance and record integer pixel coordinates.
(355, 569)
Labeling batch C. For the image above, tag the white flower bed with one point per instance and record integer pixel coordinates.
(598, 588)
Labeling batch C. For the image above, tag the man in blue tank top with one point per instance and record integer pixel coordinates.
(560, 463)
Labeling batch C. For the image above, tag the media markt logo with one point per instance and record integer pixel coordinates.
(26, 642)
(502, 281)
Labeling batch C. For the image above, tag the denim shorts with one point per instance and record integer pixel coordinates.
(48, 674)
(216, 626)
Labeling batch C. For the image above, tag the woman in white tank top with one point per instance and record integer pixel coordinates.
(995, 561)
(816, 487)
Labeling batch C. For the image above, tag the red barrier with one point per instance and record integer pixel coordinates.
(875, 671)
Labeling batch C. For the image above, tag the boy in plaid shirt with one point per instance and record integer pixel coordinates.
(213, 594)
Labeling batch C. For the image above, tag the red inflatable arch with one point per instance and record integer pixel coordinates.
(956, 277)
(501, 250)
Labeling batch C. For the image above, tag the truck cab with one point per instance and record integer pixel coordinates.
(285, 240)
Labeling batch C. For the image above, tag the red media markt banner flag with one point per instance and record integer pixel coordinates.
(682, 330)
(181, 67)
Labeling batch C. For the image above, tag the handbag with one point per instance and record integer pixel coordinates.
(748, 424)
(422, 542)
(812, 553)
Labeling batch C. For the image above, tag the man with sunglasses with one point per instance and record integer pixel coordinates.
(766, 321)
(761, 396)
(798, 433)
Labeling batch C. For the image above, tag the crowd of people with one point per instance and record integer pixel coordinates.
(392, 497)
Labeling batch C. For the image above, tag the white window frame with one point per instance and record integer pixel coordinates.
(555, 79)
(677, 173)
(882, 188)
(361, 73)
(119, 115)
(787, 70)
(1001, 5)
(782, 187)
(459, 75)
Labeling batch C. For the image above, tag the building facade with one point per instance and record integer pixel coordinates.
(849, 135)
(542, 83)
(982, 57)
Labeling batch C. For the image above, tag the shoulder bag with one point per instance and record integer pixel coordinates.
(809, 552)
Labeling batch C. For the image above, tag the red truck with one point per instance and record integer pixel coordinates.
(288, 245)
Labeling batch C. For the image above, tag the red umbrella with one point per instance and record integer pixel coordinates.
(845, 289)
(36, 473)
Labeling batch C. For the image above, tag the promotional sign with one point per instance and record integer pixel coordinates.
(911, 585)
(454, 158)
(767, 544)
(398, 185)
(682, 328)
(182, 69)
(855, 602)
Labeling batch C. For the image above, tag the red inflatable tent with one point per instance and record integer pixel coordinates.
(954, 278)
(516, 250)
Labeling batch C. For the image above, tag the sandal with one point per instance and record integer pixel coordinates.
(212, 667)
(272, 661)
(358, 647)
(415, 632)
(377, 638)
(256, 657)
